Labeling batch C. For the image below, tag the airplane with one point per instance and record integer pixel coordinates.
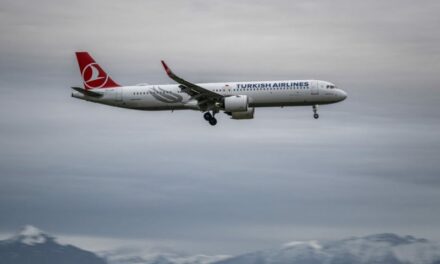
(236, 99)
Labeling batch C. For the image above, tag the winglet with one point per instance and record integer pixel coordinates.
(189, 86)
(167, 69)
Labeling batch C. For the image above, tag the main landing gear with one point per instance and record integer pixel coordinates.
(315, 112)
(210, 118)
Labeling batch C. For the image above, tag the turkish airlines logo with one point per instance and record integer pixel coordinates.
(94, 76)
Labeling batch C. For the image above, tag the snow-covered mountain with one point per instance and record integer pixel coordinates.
(129, 257)
(32, 246)
(374, 249)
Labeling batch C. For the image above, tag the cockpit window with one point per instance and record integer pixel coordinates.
(331, 87)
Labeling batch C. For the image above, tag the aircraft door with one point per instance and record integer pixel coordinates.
(314, 88)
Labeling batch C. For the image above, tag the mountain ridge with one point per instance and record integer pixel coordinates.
(33, 246)
(386, 248)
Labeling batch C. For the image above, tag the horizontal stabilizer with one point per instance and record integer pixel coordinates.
(87, 92)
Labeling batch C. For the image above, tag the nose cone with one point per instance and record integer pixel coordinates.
(342, 95)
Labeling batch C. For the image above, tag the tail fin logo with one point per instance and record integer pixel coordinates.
(94, 76)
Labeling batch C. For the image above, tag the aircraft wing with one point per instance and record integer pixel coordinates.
(199, 93)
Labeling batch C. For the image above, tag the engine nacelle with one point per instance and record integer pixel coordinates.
(236, 103)
(249, 114)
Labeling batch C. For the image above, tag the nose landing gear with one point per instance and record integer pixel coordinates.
(315, 112)
(210, 118)
(213, 121)
(207, 116)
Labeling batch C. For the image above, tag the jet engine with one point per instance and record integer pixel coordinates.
(249, 114)
(236, 103)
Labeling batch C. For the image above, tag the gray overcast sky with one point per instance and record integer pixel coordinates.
(105, 176)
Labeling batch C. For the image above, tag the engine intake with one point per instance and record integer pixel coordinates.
(237, 103)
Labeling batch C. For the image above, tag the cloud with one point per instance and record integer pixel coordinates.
(90, 170)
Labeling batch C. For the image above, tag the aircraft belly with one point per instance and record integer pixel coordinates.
(278, 98)
(287, 98)
(153, 104)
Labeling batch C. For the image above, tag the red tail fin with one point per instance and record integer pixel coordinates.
(93, 75)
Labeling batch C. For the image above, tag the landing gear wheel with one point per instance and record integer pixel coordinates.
(315, 112)
(213, 121)
(207, 116)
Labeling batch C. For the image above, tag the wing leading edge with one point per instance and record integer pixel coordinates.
(202, 95)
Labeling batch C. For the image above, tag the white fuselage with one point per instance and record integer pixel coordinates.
(261, 94)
